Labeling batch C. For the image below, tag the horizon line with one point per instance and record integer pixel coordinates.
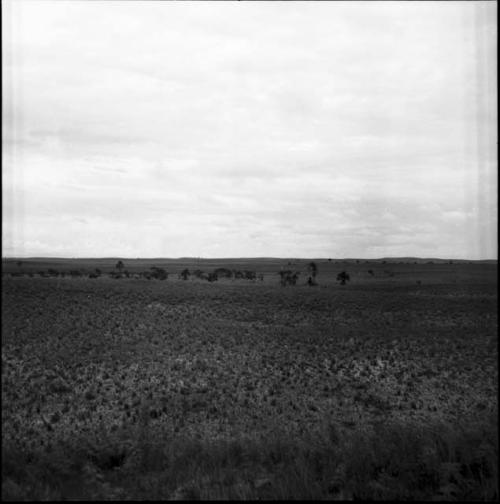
(247, 258)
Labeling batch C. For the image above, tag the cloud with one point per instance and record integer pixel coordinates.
(249, 128)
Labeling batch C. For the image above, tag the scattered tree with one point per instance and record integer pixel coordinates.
(246, 274)
(158, 273)
(288, 277)
(185, 274)
(198, 273)
(313, 271)
(223, 273)
(119, 266)
(250, 275)
(311, 282)
(343, 278)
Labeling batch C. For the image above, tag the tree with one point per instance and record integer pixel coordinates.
(198, 273)
(284, 275)
(223, 273)
(250, 275)
(159, 273)
(288, 277)
(313, 271)
(119, 266)
(185, 274)
(343, 278)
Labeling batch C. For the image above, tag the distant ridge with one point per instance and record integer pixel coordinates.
(418, 260)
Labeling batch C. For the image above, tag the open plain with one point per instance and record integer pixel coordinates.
(135, 388)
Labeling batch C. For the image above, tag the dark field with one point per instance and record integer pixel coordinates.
(128, 388)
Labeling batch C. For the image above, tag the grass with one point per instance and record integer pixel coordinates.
(135, 389)
(387, 462)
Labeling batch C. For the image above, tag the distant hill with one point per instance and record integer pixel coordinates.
(418, 260)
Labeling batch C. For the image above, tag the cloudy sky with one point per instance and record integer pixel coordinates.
(242, 129)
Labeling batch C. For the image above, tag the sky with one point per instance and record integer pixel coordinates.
(249, 129)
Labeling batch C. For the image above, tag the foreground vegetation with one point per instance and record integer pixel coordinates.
(382, 389)
(388, 462)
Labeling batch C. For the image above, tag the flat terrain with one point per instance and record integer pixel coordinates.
(107, 367)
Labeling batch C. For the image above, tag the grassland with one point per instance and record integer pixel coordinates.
(385, 388)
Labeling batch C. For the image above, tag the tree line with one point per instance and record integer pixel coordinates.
(288, 277)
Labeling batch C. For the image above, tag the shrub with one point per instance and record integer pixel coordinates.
(223, 273)
(198, 273)
(250, 275)
(158, 273)
(288, 277)
(184, 274)
(343, 277)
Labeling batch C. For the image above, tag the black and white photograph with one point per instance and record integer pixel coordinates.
(249, 250)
